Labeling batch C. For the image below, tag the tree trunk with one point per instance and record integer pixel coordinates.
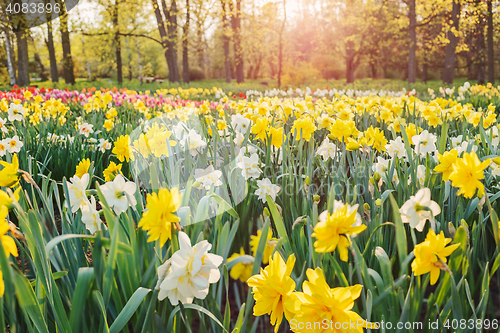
(22, 58)
(69, 75)
(238, 53)
(10, 62)
(118, 46)
(166, 44)
(129, 59)
(449, 60)
(425, 70)
(139, 62)
(257, 68)
(280, 56)
(350, 67)
(54, 75)
(199, 48)
(481, 54)
(89, 73)
(491, 56)
(171, 19)
(412, 58)
(185, 44)
(225, 24)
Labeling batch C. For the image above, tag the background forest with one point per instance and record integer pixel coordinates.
(295, 42)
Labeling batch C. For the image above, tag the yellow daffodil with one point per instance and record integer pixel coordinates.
(9, 245)
(9, 175)
(467, 174)
(319, 304)
(6, 200)
(260, 128)
(242, 270)
(272, 288)
(334, 231)
(122, 148)
(268, 249)
(446, 162)
(159, 215)
(430, 255)
(82, 167)
(111, 171)
(304, 125)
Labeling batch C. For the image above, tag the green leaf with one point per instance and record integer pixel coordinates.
(28, 301)
(280, 226)
(83, 287)
(122, 247)
(193, 307)
(400, 233)
(56, 275)
(129, 309)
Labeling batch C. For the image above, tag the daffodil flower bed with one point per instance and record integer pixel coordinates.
(188, 210)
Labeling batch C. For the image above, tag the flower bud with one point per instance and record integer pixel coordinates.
(316, 198)
(266, 212)
(376, 176)
(378, 202)
(308, 180)
(366, 206)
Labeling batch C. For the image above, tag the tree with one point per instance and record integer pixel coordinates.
(449, 60)
(238, 52)
(185, 54)
(491, 55)
(168, 36)
(69, 75)
(49, 41)
(280, 56)
(23, 77)
(226, 34)
(412, 56)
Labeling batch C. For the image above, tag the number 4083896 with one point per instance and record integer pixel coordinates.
(32, 8)
(478, 324)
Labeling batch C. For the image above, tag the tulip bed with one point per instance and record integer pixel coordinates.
(198, 211)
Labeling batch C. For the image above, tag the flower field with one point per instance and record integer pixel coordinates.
(200, 210)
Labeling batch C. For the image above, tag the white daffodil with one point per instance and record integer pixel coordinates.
(396, 148)
(238, 140)
(104, 145)
(464, 146)
(424, 142)
(189, 272)
(16, 112)
(266, 187)
(85, 129)
(3, 146)
(240, 123)
(194, 142)
(493, 133)
(419, 208)
(119, 194)
(457, 141)
(90, 216)
(207, 177)
(250, 166)
(14, 145)
(3, 128)
(420, 175)
(76, 188)
(327, 149)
